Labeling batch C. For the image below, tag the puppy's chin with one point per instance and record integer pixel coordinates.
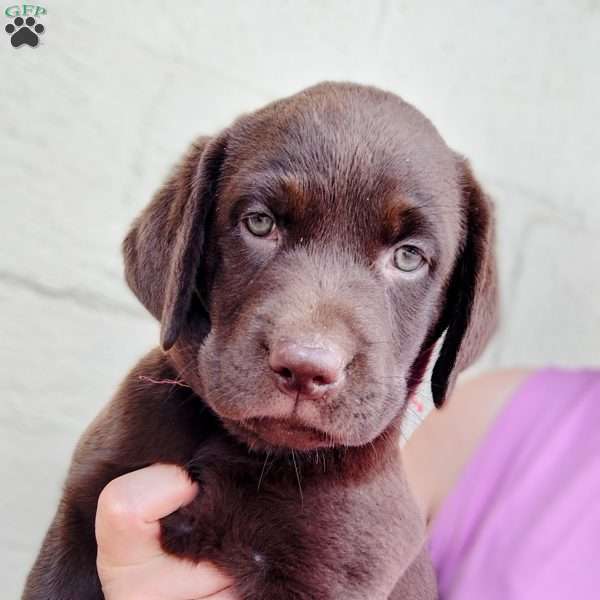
(271, 434)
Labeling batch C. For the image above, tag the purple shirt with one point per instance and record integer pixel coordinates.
(523, 521)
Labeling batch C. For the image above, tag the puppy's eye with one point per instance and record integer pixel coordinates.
(408, 258)
(259, 224)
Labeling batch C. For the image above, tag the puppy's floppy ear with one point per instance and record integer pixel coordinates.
(470, 312)
(163, 249)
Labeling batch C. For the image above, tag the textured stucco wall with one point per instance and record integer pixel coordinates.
(92, 118)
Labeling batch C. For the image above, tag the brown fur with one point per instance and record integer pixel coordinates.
(299, 498)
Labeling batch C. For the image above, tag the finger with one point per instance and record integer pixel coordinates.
(165, 577)
(129, 508)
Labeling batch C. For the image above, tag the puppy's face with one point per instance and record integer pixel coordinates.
(322, 255)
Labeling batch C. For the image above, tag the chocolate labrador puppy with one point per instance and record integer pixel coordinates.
(303, 263)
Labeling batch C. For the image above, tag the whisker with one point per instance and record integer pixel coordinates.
(298, 478)
(262, 473)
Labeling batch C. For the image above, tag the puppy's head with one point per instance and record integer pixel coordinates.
(304, 262)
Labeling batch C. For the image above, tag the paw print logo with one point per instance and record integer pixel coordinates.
(24, 32)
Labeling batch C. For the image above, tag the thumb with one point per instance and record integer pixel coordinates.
(129, 508)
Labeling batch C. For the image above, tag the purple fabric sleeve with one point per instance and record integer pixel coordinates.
(523, 521)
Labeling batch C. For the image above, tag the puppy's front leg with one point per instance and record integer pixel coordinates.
(255, 537)
(324, 545)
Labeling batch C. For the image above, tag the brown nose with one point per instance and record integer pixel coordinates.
(305, 369)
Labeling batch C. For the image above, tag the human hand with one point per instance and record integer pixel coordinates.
(131, 563)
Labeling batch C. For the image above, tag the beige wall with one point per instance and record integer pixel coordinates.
(92, 118)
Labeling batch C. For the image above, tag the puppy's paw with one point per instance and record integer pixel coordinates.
(179, 531)
(185, 532)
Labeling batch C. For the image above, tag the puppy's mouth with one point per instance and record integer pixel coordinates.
(283, 433)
